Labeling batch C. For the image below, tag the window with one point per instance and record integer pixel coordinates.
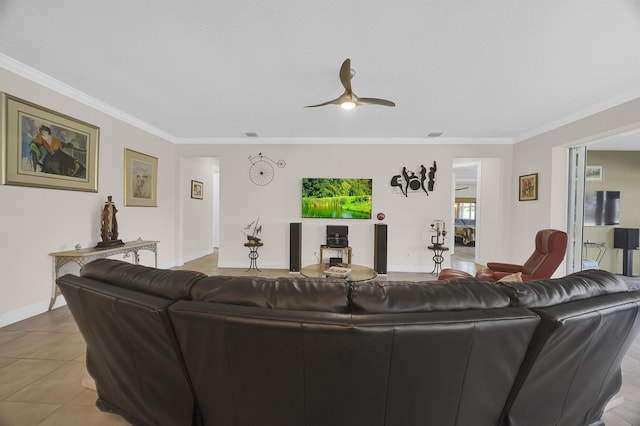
(465, 209)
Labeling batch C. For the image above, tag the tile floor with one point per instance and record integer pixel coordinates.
(42, 367)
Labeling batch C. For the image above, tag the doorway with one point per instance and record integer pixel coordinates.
(602, 198)
(465, 202)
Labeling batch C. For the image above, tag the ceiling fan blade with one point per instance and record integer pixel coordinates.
(334, 101)
(376, 101)
(345, 74)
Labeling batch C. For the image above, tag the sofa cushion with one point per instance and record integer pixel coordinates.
(426, 296)
(303, 294)
(172, 285)
(577, 286)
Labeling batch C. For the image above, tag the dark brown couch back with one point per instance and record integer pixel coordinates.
(296, 293)
(167, 347)
(572, 368)
(131, 350)
(255, 365)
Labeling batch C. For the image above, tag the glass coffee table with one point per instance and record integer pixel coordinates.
(358, 272)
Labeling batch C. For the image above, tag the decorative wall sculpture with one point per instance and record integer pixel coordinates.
(261, 171)
(409, 181)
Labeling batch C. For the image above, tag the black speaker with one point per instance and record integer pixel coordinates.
(380, 248)
(625, 238)
(295, 246)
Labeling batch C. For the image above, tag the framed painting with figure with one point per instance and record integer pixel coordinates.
(44, 148)
(528, 187)
(140, 179)
(196, 189)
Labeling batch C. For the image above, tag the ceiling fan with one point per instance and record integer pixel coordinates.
(462, 188)
(349, 100)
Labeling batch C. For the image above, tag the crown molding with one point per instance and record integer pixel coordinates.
(51, 83)
(579, 115)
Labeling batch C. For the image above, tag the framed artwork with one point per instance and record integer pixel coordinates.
(46, 149)
(528, 188)
(594, 173)
(140, 179)
(196, 189)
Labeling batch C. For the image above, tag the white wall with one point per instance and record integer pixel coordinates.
(197, 215)
(546, 154)
(278, 203)
(35, 221)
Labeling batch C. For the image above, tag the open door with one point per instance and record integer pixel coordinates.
(575, 216)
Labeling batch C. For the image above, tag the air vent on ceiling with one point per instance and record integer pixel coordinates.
(251, 134)
(435, 134)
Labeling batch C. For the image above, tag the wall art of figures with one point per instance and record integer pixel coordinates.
(409, 181)
(45, 148)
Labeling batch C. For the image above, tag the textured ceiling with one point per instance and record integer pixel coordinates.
(216, 69)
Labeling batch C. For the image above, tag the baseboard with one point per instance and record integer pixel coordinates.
(25, 312)
(194, 256)
(415, 268)
(245, 264)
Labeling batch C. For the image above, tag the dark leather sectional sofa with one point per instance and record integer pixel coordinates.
(179, 348)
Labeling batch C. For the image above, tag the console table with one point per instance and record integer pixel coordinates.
(86, 255)
(340, 249)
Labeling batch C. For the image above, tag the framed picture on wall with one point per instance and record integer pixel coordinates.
(140, 179)
(594, 173)
(47, 149)
(528, 187)
(196, 189)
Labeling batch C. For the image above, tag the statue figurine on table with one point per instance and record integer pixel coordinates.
(109, 226)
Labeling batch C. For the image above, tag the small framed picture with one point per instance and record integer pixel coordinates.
(140, 179)
(196, 189)
(594, 173)
(528, 187)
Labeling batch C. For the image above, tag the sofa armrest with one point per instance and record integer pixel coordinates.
(504, 267)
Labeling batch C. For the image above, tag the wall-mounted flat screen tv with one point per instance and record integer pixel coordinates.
(336, 198)
(601, 208)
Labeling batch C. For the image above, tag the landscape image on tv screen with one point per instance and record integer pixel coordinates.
(336, 198)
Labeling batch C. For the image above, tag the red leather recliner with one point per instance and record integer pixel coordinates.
(551, 246)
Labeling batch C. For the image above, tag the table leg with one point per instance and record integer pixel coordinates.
(253, 259)
(54, 290)
(437, 262)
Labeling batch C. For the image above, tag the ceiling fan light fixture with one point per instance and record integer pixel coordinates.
(348, 100)
(348, 105)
